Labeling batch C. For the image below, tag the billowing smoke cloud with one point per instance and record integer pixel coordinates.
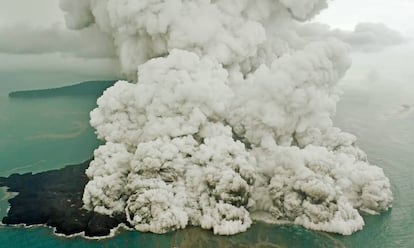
(228, 114)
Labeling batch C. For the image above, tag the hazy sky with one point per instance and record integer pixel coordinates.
(46, 13)
(39, 12)
(342, 13)
(393, 13)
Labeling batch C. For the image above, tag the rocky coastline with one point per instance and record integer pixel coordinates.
(54, 198)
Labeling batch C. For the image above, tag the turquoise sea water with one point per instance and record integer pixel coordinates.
(43, 134)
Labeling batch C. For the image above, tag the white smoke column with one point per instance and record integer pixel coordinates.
(228, 113)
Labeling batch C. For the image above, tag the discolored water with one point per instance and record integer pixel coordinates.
(43, 134)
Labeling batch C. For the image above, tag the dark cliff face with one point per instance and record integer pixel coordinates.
(54, 198)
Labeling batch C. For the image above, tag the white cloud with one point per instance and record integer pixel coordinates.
(25, 39)
(228, 112)
(33, 38)
(371, 37)
(366, 37)
(240, 121)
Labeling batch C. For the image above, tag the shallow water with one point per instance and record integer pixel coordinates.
(43, 134)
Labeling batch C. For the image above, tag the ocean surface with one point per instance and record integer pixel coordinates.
(39, 134)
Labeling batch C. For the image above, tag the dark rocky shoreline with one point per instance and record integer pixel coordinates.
(54, 198)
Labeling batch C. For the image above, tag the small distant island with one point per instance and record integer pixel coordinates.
(54, 198)
(89, 88)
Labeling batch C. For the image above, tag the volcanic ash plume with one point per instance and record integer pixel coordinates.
(227, 113)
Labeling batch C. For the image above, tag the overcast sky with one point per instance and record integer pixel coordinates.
(343, 14)
(38, 12)
(394, 13)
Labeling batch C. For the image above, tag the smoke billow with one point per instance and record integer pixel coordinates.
(227, 114)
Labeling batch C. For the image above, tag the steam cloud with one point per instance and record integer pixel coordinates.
(229, 115)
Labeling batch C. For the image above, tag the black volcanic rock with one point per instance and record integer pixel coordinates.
(54, 198)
